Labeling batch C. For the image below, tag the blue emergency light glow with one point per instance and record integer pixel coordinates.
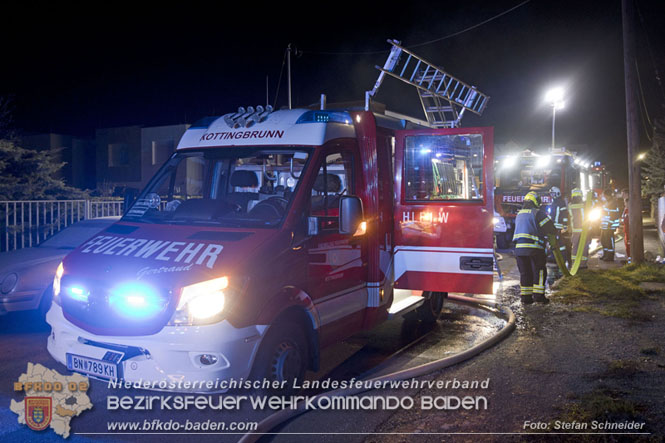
(135, 300)
(77, 293)
(325, 117)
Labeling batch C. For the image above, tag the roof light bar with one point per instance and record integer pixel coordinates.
(325, 117)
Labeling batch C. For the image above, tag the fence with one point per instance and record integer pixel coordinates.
(27, 223)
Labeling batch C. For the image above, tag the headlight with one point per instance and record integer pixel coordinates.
(594, 214)
(56, 283)
(495, 220)
(201, 303)
(8, 283)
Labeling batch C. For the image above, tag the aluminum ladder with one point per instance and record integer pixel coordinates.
(444, 98)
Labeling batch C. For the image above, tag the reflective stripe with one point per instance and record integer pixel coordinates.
(529, 236)
(528, 245)
(545, 220)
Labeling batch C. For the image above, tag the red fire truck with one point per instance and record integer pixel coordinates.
(517, 174)
(599, 178)
(270, 235)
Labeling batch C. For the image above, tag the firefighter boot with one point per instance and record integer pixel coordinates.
(540, 298)
(526, 299)
(526, 295)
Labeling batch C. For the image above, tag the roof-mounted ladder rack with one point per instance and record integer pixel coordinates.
(444, 98)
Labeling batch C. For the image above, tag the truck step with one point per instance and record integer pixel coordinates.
(404, 301)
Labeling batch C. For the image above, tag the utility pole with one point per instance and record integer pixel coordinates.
(633, 136)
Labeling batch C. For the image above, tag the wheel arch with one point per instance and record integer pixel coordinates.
(292, 305)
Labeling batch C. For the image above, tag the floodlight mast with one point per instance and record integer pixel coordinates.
(443, 97)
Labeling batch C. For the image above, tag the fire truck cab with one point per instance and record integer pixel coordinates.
(270, 235)
(517, 174)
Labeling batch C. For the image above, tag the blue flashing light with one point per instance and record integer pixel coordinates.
(78, 293)
(136, 300)
(325, 117)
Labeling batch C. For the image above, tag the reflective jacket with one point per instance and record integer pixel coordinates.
(611, 217)
(531, 227)
(576, 209)
(559, 213)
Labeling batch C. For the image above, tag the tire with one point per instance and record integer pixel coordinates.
(282, 356)
(430, 310)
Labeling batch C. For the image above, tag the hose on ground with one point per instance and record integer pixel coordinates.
(284, 415)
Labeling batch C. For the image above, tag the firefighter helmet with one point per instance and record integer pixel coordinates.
(555, 192)
(533, 197)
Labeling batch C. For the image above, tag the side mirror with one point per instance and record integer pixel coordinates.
(350, 214)
(129, 198)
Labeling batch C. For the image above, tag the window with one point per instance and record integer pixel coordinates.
(160, 151)
(118, 154)
(444, 167)
(251, 186)
(334, 179)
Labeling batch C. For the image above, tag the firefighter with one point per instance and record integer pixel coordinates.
(532, 224)
(576, 210)
(559, 213)
(609, 223)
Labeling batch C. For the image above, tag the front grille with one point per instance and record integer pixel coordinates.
(106, 309)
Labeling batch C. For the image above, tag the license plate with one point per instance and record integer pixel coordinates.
(92, 366)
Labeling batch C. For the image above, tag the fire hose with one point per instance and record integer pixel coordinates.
(581, 245)
(284, 415)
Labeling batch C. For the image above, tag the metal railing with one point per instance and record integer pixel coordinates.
(26, 223)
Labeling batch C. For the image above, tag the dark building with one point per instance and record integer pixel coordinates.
(128, 156)
(77, 153)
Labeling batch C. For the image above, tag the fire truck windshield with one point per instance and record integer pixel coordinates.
(529, 172)
(231, 187)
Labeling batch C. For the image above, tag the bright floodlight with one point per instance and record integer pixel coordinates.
(509, 162)
(554, 96)
(542, 162)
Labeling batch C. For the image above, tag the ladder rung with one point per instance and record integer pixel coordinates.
(406, 63)
(439, 109)
(415, 70)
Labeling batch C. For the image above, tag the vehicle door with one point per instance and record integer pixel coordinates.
(336, 263)
(444, 210)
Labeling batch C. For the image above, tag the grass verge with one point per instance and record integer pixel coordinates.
(611, 292)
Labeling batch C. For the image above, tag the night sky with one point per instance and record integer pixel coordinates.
(73, 70)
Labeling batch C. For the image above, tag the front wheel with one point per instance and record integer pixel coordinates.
(282, 356)
(430, 310)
